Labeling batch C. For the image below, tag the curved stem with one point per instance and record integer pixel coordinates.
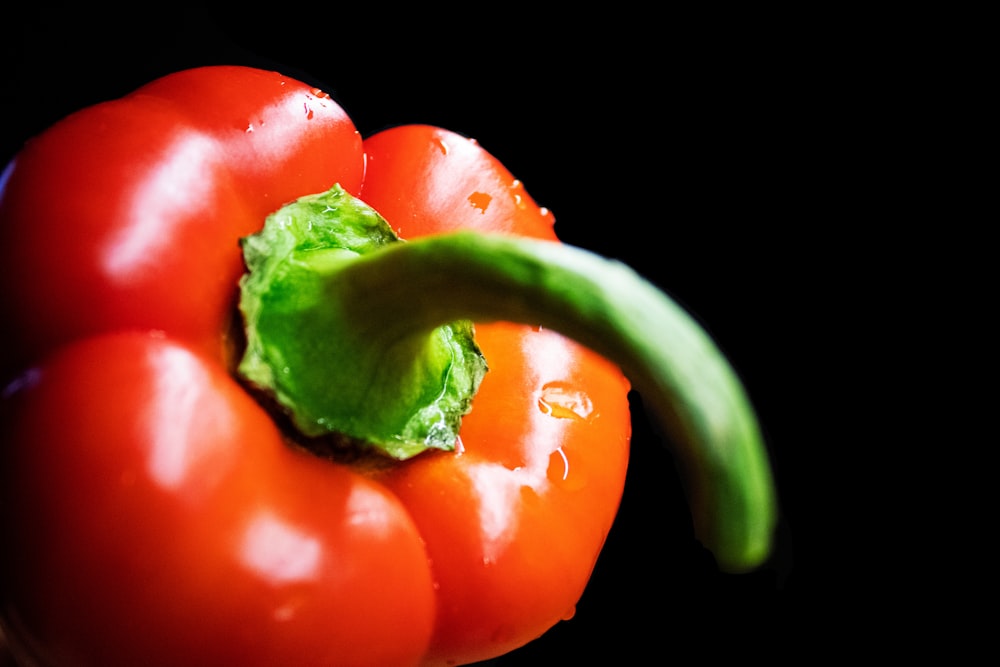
(679, 371)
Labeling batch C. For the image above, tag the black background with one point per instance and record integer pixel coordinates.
(709, 137)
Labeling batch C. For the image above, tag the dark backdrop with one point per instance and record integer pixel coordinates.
(708, 135)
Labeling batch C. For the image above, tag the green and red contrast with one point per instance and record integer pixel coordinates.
(275, 394)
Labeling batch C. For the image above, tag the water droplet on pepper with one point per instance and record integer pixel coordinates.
(558, 465)
(480, 200)
(561, 400)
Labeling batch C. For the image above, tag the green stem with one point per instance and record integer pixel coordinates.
(671, 361)
(359, 336)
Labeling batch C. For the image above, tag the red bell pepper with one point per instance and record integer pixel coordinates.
(169, 496)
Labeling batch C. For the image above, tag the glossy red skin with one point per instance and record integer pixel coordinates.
(154, 515)
(512, 542)
(127, 213)
(151, 510)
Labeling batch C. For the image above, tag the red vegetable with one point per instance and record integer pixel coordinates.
(154, 512)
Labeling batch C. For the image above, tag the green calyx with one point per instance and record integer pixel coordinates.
(330, 364)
